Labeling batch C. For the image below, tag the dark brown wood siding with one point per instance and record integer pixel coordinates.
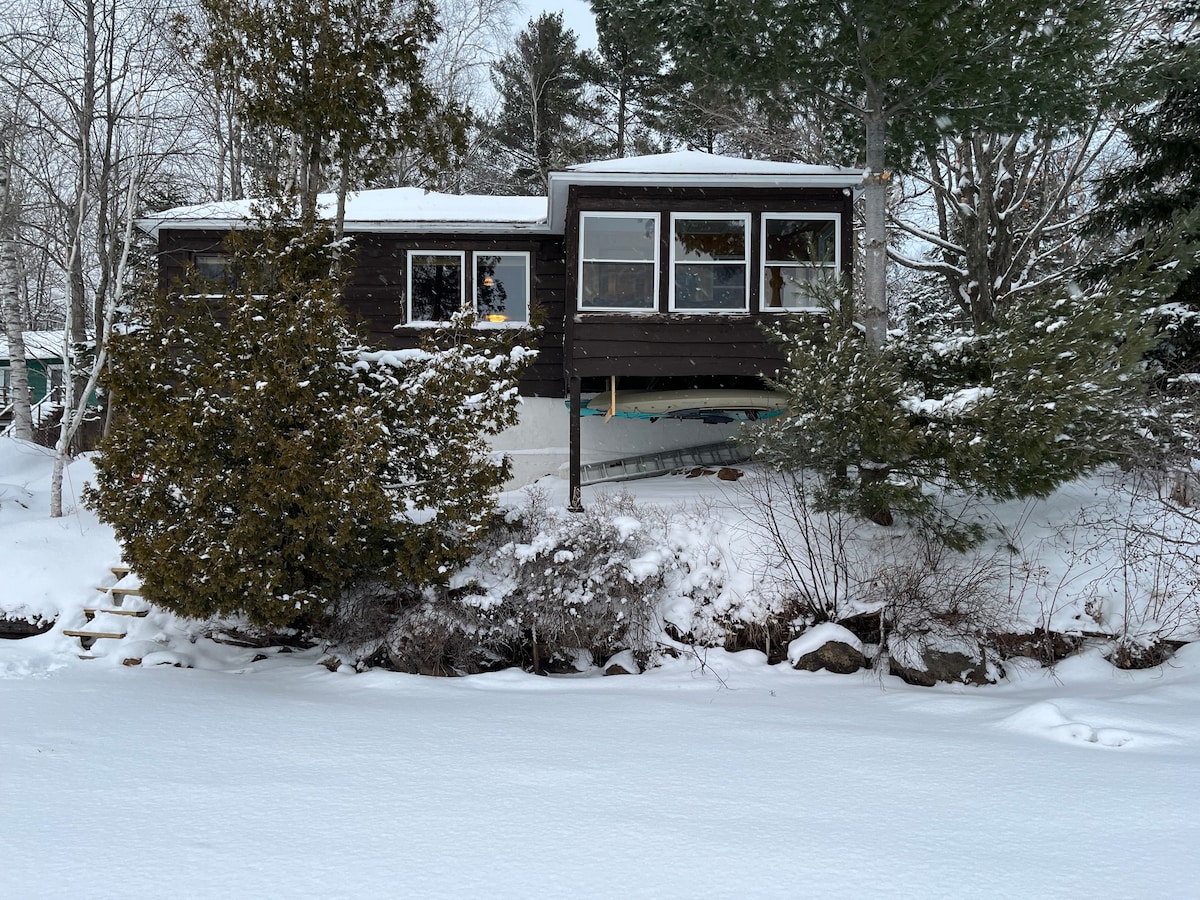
(667, 344)
(375, 293)
(656, 345)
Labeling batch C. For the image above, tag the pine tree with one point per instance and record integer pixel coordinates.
(1054, 389)
(627, 69)
(546, 119)
(334, 88)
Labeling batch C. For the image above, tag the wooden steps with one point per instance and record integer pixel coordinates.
(131, 591)
(91, 636)
(110, 621)
(92, 611)
(104, 626)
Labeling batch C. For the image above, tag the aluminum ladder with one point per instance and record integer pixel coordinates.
(647, 465)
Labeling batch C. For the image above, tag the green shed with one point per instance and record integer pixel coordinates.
(44, 361)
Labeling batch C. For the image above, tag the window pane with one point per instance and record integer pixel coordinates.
(213, 267)
(800, 240)
(699, 286)
(501, 287)
(710, 239)
(789, 287)
(618, 238)
(608, 285)
(436, 287)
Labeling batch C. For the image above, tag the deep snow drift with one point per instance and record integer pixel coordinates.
(715, 775)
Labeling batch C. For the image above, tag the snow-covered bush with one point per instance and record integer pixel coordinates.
(1142, 551)
(935, 600)
(706, 599)
(556, 583)
(438, 636)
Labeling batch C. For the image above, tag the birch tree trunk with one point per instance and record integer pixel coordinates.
(18, 373)
(874, 314)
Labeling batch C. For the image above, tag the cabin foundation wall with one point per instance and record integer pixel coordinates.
(539, 444)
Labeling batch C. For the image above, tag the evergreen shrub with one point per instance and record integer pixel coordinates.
(1050, 391)
(263, 464)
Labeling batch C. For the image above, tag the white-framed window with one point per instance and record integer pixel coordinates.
(710, 262)
(799, 250)
(436, 285)
(502, 288)
(618, 261)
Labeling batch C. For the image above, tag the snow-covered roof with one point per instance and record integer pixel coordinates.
(389, 209)
(410, 209)
(694, 162)
(691, 168)
(38, 345)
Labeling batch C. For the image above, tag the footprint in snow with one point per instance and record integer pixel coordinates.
(1047, 719)
(1105, 737)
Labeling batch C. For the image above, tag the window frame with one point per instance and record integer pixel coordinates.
(654, 262)
(224, 284)
(511, 323)
(747, 220)
(461, 255)
(834, 266)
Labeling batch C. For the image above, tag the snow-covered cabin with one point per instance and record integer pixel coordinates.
(655, 271)
(44, 364)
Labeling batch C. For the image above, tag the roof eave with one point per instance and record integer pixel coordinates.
(152, 226)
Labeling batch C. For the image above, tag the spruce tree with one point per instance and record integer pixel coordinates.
(547, 118)
(1155, 197)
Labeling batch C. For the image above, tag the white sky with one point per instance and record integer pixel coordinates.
(577, 15)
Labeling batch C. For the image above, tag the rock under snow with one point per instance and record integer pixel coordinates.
(827, 646)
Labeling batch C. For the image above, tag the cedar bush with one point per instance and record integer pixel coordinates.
(242, 473)
(439, 406)
(264, 464)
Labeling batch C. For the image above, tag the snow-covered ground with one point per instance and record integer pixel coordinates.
(714, 775)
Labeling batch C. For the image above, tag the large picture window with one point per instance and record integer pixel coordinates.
(436, 286)
(502, 288)
(798, 253)
(710, 256)
(618, 261)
